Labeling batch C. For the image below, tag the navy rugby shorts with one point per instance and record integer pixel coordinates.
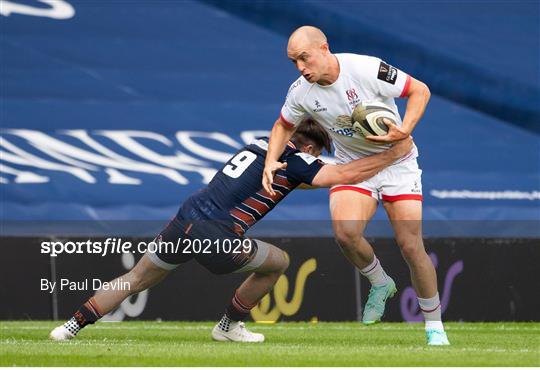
(212, 244)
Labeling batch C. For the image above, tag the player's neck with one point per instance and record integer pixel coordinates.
(332, 74)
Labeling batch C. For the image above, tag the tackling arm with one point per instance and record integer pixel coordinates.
(361, 169)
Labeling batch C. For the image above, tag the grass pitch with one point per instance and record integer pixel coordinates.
(25, 343)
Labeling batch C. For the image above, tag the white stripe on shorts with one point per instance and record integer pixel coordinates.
(160, 263)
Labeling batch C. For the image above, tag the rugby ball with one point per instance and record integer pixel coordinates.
(368, 118)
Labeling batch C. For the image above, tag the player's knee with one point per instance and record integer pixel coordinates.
(347, 237)
(276, 262)
(285, 262)
(281, 262)
(144, 275)
(411, 248)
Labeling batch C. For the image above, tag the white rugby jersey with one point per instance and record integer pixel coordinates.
(361, 78)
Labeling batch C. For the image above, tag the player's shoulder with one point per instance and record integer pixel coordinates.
(357, 58)
(299, 157)
(305, 157)
(357, 63)
(258, 145)
(299, 87)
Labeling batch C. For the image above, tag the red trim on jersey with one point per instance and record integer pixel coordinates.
(248, 221)
(257, 205)
(291, 144)
(395, 198)
(282, 181)
(277, 191)
(238, 229)
(406, 87)
(244, 216)
(353, 188)
(274, 198)
(287, 123)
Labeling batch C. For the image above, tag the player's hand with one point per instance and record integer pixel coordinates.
(394, 134)
(403, 147)
(268, 175)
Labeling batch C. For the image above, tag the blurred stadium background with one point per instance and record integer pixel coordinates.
(113, 112)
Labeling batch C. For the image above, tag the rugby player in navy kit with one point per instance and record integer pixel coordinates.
(214, 220)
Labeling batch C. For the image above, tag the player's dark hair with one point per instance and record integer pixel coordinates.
(309, 131)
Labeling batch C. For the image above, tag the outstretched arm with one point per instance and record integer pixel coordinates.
(361, 169)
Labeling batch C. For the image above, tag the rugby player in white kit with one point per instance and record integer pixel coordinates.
(330, 87)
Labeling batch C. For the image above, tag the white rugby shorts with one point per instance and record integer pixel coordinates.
(401, 181)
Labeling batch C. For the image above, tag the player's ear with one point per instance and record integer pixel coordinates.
(325, 48)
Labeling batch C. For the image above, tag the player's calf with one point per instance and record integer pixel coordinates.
(358, 251)
(424, 279)
(143, 276)
(267, 266)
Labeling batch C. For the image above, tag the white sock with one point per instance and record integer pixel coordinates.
(437, 325)
(374, 272)
(431, 309)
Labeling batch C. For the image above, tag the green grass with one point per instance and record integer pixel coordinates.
(25, 343)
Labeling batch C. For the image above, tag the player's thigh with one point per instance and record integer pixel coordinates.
(147, 273)
(267, 259)
(406, 219)
(168, 250)
(350, 211)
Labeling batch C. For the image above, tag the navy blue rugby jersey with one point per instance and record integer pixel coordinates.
(235, 194)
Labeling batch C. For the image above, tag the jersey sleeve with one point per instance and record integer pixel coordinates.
(303, 167)
(388, 81)
(292, 112)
